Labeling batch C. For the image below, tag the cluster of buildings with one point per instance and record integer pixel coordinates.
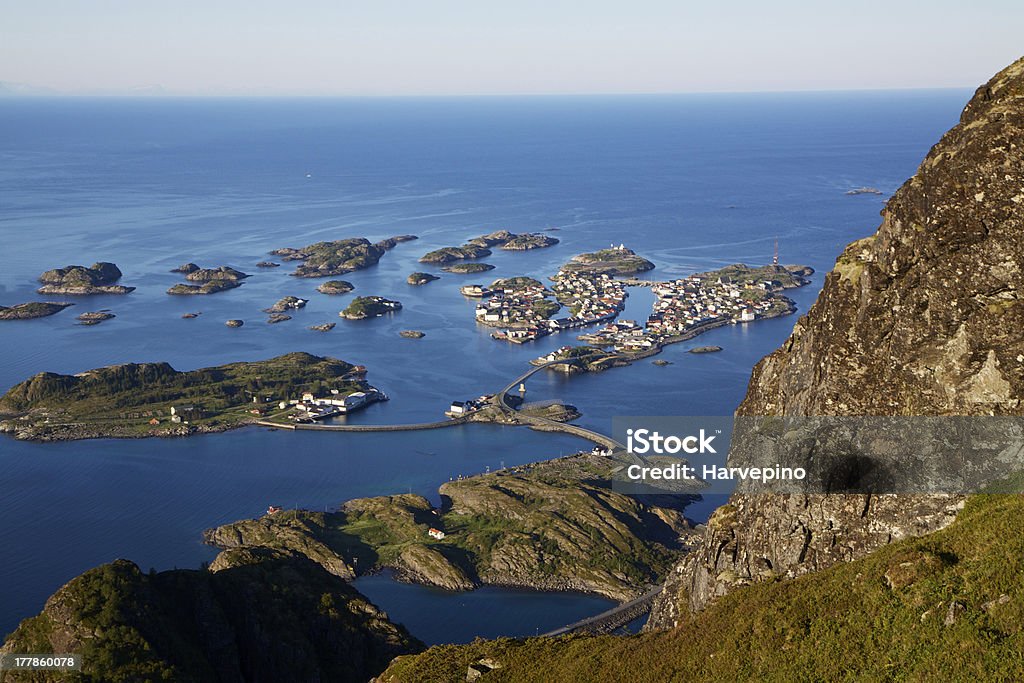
(520, 307)
(461, 408)
(311, 408)
(687, 304)
(590, 297)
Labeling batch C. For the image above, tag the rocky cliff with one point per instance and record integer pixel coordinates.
(922, 318)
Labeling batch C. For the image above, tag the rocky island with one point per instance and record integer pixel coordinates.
(479, 247)
(467, 268)
(325, 259)
(288, 303)
(94, 317)
(213, 279)
(412, 334)
(32, 309)
(449, 254)
(421, 278)
(529, 241)
(363, 307)
(612, 261)
(154, 399)
(99, 278)
(335, 287)
(552, 525)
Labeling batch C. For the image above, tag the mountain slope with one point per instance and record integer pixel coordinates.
(269, 618)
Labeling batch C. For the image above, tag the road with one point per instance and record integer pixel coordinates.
(612, 619)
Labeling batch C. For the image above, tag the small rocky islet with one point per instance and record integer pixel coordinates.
(213, 280)
(99, 278)
(412, 334)
(32, 309)
(363, 307)
(468, 268)
(335, 287)
(94, 317)
(419, 279)
(288, 303)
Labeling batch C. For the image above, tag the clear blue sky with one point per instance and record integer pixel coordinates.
(412, 47)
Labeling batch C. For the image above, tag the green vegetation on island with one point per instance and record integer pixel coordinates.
(421, 278)
(211, 287)
(412, 334)
(154, 399)
(270, 617)
(529, 241)
(468, 268)
(554, 525)
(782, 277)
(612, 261)
(478, 247)
(369, 307)
(449, 254)
(99, 278)
(32, 309)
(335, 287)
(324, 259)
(213, 279)
(516, 283)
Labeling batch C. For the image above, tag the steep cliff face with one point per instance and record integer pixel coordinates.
(922, 318)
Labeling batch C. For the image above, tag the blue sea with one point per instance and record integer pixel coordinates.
(691, 182)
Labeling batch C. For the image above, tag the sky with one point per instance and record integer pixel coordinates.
(489, 47)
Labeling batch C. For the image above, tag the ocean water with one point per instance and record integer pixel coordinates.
(690, 182)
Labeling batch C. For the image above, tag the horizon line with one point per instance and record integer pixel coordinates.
(143, 92)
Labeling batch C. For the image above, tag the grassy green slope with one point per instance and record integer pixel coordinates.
(885, 617)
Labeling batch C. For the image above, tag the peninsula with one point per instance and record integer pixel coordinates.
(99, 278)
(154, 399)
(553, 525)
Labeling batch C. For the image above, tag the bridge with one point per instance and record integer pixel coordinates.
(312, 426)
(500, 401)
(542, 423)
(613, 619)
